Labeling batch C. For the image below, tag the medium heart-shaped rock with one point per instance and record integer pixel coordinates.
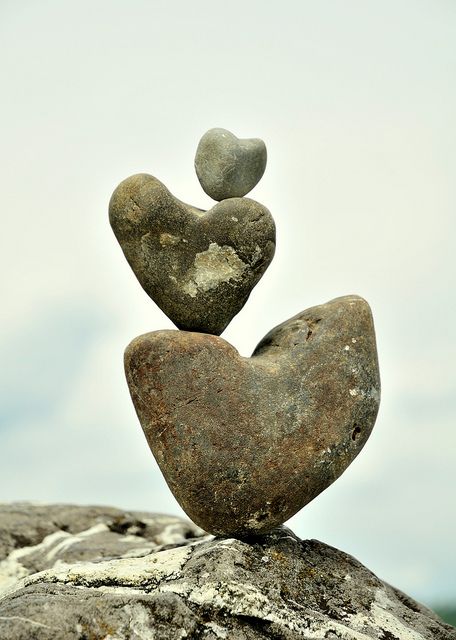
(227, 166)
(244, 443)
(198, 266)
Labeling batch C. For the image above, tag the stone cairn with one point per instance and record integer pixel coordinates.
(243, 443)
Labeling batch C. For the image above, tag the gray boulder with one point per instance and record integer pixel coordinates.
(95, 573)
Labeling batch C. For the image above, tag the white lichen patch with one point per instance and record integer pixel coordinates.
(211, 268)
(353, 392)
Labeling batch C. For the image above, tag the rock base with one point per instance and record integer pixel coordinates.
(95, 573)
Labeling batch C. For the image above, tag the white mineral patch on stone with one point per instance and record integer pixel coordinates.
(211, 268)
(374, 393)
(12, 569)
(140, 552)
(226, 544)
(246, 600)
(140, 622)
(124, 572)
(173, 533)
(353, 392)
(27, 621)
(219, 631)
(380, 618)
(167, 240)
(256, 255)
(69, 540)
(117, 591)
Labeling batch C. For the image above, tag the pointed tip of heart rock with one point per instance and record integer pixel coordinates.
(244, 443)
(198, 266)
(227, 166)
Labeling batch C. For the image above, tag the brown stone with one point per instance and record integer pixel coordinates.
(244, 443)
(198, 266)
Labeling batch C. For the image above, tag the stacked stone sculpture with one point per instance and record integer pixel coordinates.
(243, 443)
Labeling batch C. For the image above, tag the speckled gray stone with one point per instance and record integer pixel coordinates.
(244, 443)
(227, 166)
(96, 573)
(198, 266)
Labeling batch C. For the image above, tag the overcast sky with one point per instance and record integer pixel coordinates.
(356, 101)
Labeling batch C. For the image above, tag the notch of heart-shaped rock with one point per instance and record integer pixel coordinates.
(198, 266)
(244, 443)
(227, 166)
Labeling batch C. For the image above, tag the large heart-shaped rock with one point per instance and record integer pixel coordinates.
(244, 443)
(198, 266)
(227, 166)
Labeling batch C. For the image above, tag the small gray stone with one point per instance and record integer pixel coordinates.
(227, 166)
(132, 576)
(244, 443)
(198, 266)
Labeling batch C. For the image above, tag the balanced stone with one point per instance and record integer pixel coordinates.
(244, 443)
(198, 266)
(227, 166)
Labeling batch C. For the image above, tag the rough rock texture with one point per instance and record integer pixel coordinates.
(227, 166)
(92, 573)
(199, 267)
(244, 443)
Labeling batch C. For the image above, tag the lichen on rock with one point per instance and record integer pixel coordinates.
(211, 268)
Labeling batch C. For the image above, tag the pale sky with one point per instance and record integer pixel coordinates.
(356, 102)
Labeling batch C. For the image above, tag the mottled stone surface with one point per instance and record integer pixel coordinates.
(244, 443)
(93, 573)
(227, 166)
(198, 266)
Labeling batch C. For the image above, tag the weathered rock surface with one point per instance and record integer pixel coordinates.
(244, 443)
(227, 166)
(93, 573)
(198, 266)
